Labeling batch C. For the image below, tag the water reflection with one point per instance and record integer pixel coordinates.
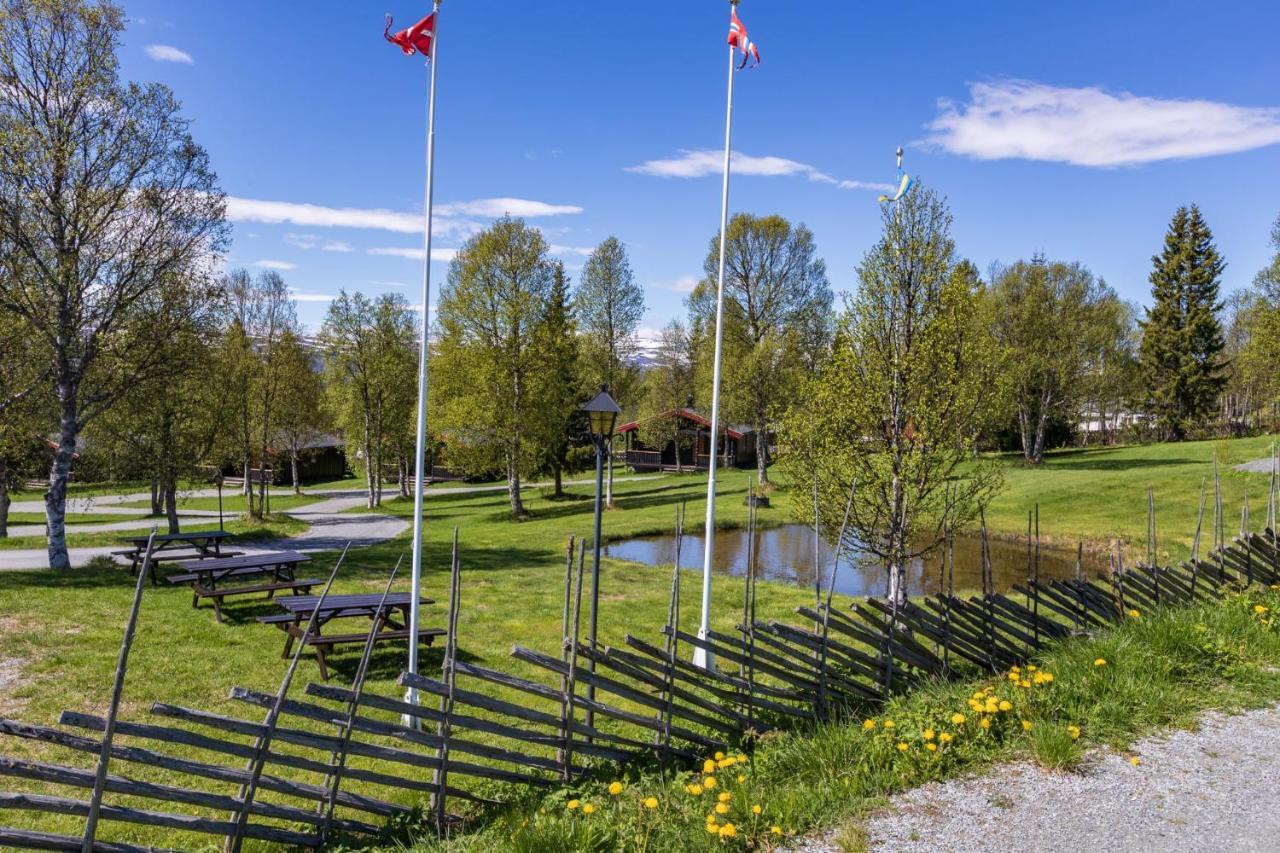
(785, 554)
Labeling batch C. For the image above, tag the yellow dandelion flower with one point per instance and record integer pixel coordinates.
(741, 778)
(1258, 608)
(1024, 683)
(1013, 676)
(650, 802)
(694, 789)
(1074, 731)
(903, 746)
(713, 828)
(957, 719)
(725, 797)
(946, 737)
(1133, 614)
(1015, 668)
(719, 755)
(1135, 761)
(868, 725)
(587, 808)
(978, 695)
(728, 831)
(615, 788)
(928, 734)
(756, 809)
(1005, 705)
(709, 766)
(1100, 662)
(888, 724)
(1026, 725)
(776, 830)
(709, 782)
(985, 722)
(727, 762)
(1031, 667)
(931, 746)
(572, 804)
(722, 808)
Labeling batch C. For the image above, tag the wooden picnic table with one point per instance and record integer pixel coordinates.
(218, 578)
(298, 610)
(205, 543)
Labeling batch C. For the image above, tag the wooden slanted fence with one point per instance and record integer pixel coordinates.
(291, 777)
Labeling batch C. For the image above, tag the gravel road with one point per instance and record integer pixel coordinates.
(1209, 791)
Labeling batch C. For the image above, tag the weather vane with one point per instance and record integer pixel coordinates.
(905, 183)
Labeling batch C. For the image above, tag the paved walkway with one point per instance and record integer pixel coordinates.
(331, 522)
(1207, 791)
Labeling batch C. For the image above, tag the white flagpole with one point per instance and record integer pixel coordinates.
(702, 657)
(420, 456)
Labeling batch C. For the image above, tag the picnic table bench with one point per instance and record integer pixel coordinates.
(298, 610)
(196, 544)
(218, 578)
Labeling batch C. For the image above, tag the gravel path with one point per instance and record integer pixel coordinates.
(1212, 790)
(1257, 466)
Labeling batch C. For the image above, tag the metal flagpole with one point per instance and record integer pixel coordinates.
(419, 462)
(702, 657)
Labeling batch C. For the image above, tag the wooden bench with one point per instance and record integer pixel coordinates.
(300, 586)
(323, 644)
(245, 575)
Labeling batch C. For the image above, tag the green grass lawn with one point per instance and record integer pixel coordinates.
(1100, 494)
(75, 517)
(64, 629)
(235, 503)
(274, 526)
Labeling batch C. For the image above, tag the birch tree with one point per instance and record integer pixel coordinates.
(912, 380)
(105, 202)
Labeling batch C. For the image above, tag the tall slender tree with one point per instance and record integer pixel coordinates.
(485, 372)
(558, 350)
(1182, 339)
(113, 203)
(912, 381)
(299, 409)
(609, 305)
(777, 318)
(669, 384)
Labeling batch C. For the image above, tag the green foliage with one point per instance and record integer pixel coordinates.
(1059, 328)
(1182, 339)
(777, 320)
(668, 385)
(912, 379)
(371, 380)
(487, 397)
(557, 345)
(608, 305)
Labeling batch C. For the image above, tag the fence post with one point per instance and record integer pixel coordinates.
(444, 727)
(117, 690)
(561, 751)
(247, 791)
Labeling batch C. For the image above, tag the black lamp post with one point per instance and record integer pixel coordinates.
(602, 411)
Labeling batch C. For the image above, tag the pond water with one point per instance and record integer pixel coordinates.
(785, 554)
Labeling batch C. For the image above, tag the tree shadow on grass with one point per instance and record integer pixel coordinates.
(1096, 459)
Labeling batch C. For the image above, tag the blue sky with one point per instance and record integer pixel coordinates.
(1072, 129)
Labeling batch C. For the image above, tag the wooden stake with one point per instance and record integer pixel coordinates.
(117, 690)
(444, 726)
(263, 744)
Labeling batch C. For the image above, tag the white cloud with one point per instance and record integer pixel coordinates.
(683, 284)
(304, 296)
(311, 241)
(495, 207)
(556, 249)
(701, 162)
(169, 53)
(388, 284)
(444, 255)
(275, 265)
(1091, 126)
(450, 220)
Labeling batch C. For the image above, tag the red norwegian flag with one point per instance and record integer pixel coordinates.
(738, 38)
(416, 39)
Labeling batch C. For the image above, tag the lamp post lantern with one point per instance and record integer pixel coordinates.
(602, 412)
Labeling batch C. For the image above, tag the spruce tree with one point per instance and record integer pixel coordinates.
(1182, 339)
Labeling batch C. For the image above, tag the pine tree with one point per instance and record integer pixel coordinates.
(1182, 339)
(558, 351)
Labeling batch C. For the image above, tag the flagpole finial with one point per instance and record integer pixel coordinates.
(899, 153)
